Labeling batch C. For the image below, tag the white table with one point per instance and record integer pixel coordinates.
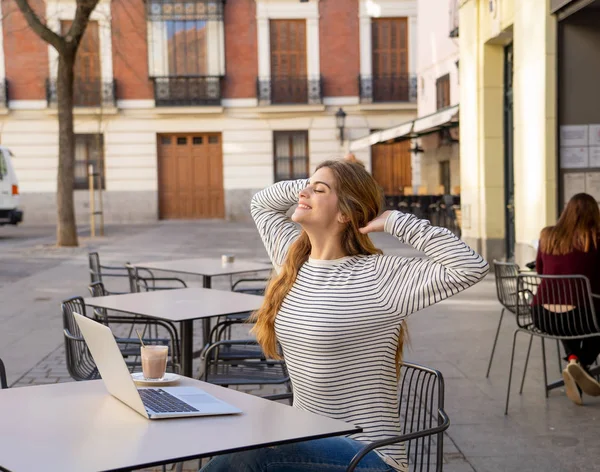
(183, 306)
(206, 267)
(79, 427)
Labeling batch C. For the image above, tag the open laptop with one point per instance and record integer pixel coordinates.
(151, 402)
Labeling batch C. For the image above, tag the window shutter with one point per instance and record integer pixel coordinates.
(288, 48)
(390, 46)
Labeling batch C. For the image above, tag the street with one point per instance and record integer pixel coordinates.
(454, 336)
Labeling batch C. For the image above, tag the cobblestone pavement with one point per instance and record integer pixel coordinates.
(454, 336)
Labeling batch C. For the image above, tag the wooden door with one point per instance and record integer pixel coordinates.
(88, 76)
(390, 59)
(289, 82)
(190, 176)
(391, 166)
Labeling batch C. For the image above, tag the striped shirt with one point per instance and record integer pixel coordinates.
(339, 324)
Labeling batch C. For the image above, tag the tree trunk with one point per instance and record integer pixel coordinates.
(66, 229)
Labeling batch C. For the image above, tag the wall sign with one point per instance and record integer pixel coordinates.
(574, 135)
(574, 157)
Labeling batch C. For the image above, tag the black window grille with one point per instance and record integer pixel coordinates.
(185, 51)
(290, 155)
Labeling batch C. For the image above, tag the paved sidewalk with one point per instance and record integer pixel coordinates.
(454, 336)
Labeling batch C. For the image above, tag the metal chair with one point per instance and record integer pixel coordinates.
(142, 280)
(101, 315)
(3, 381)
(421, 408)
(80, 363)
(98, 271)
(251, 285)
(506, 290)
(222, 370)
(561, 291)
(221, 331)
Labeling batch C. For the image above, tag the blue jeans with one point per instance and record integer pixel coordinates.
(328, 455)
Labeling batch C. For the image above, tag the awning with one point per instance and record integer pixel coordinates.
(435, 121)
(410, 129)
(401, 131)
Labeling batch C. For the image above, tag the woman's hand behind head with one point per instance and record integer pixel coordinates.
(376, 225)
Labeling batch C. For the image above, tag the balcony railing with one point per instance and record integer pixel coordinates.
(187, 91)
(86, 93)
(388, 88)
(289, 90)
(454, 7)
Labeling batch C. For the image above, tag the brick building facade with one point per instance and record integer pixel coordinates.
(187, 108)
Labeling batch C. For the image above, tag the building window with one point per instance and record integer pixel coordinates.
(291, 155)
(89, 89)
(390, 80)
(442, 87)
(89, 150)
(289, 81)
(186, 51)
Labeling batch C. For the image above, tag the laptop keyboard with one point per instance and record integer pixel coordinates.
(160, 401)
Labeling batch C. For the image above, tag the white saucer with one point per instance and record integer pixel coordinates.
(168, 379)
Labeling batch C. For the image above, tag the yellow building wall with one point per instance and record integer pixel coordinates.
(470, 164)
(535, 122)
(484, 32)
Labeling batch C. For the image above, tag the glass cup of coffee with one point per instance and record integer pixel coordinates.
(154, 361)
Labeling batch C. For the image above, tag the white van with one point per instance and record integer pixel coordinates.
(9, 190)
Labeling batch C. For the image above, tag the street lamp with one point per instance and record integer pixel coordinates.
(340, 120)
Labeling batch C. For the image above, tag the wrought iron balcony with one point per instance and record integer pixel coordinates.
(86, 93)
(388, 88)
(187, 91)
(289, 90)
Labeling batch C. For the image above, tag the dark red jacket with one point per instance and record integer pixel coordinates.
(574, 263)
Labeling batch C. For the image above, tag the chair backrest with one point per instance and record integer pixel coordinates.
(95, 269)
(421, 394)
(506, 284)
(80, 364)
(134, 285)
(97, 289)
(3, 381)
(251, 285)
(558, 293)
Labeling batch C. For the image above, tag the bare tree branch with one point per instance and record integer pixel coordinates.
(82, 18)
(34, 22)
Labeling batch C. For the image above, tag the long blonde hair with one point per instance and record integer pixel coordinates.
(577, 228)
(360, 200)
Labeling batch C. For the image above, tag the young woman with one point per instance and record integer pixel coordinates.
(336, 308)
(571, 248)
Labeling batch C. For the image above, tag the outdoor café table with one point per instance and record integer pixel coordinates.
(79, 427)
(180, 305)
(207, 267)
